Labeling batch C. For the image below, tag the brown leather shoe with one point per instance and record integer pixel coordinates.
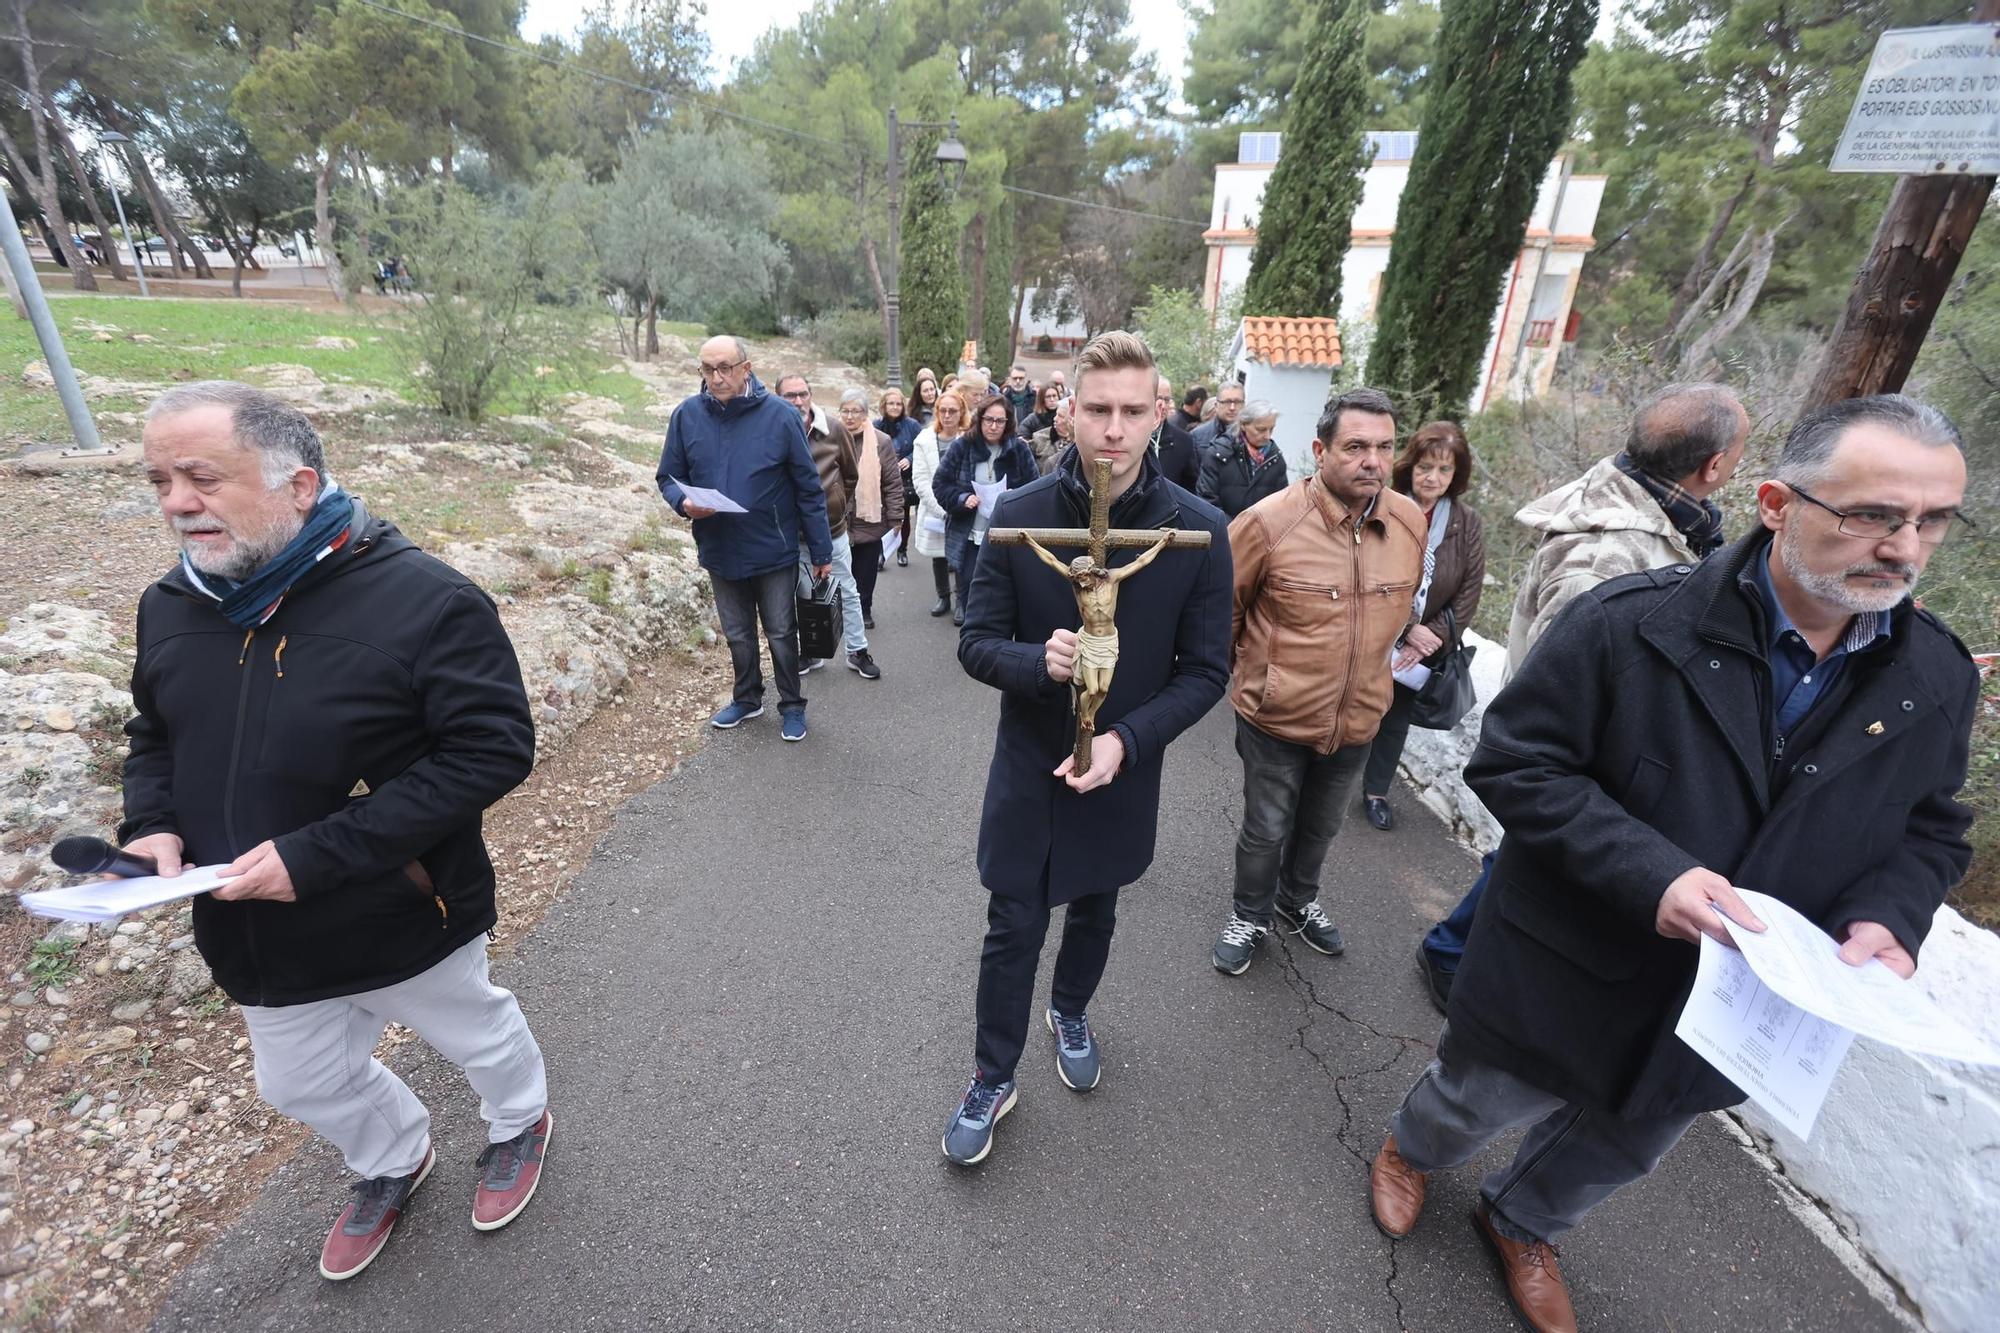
(1535, 1285)
(1395, 1192)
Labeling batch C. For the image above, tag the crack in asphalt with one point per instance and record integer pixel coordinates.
(1302, 987)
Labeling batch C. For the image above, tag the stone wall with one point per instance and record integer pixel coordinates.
(1905, 1157)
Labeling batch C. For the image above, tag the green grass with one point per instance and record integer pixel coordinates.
(215, 339)
(52, 962)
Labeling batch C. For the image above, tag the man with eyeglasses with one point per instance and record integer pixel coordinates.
(738, 438)
(1020, 393)
(1781, 716)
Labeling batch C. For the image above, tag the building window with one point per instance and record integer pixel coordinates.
(1257, 147)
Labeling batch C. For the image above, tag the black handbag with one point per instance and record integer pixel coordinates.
(1447, 696)
(819, 618)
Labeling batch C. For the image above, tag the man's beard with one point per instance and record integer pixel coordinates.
(243, 553)
(1834, 589)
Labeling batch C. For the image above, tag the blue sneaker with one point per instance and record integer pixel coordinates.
(969, 1135)
(735, 715)
(795, 724)
(1077, 1062)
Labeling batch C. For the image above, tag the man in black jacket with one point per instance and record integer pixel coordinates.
(1179, 460)
(1780, 717)
(1046, 836)
(328, 711)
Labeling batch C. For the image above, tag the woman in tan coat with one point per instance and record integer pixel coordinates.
(878, 497)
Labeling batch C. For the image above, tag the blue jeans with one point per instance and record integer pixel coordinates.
(772, 598)
(1444, 945)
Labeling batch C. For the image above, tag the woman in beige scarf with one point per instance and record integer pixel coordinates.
(878, 497)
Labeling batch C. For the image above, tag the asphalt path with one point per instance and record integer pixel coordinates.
(756, 1005)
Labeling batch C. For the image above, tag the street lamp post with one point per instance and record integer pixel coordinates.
(118, 200)
(951, 160)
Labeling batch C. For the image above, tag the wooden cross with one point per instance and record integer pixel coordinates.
(1096, 588)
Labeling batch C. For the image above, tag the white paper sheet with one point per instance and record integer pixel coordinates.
(934, 523)
(1801, 962)
(707, 499)
(892, 542)
(1413, 677)
(989, 493)
(1779, 1054)
(107, 900)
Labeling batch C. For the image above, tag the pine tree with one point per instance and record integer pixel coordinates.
(996, 333)
(1497, 111)
(933, 288)
(1307, 217)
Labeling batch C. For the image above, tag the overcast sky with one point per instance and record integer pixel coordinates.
(735, 25)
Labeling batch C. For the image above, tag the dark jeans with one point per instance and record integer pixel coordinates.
(1387, 749)
(867, 566)
(740, 604)
(1294, 799)
(941, 575)
(1571, 1159)
(1445, 943)
(1015, 930)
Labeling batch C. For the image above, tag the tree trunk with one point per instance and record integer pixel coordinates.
(1716, 284)
(1924, 232)
(1684, 295)
(652, 327)
(43, 183)
(1700, 354)
(1020, 298)
(449, 140)
(175, 233)
(975, 315)
(323, 228)
(875, 280)
(59, 132)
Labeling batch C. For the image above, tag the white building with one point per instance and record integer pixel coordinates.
(1533, 316)
(1288, 363)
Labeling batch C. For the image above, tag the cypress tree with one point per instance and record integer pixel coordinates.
(996, 333)
(1498, 108)
(933, 288)
(1307, 218)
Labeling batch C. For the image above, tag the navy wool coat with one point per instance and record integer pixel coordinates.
(1636, 743)
(1173, 664)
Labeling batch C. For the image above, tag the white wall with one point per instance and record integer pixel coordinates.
(1298, 392)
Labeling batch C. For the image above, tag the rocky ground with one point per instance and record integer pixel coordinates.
(131, 1131)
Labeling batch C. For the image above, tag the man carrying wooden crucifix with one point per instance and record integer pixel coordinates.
(1071, 813)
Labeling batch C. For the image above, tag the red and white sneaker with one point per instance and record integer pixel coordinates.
(364, 1225)
(511, 1170)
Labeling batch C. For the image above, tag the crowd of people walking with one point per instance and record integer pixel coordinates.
(1683, 712)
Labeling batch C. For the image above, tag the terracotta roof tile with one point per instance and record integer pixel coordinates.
(1292, 342)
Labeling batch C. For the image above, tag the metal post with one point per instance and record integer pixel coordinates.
(53, 352)
(892, 280)
(118, 201)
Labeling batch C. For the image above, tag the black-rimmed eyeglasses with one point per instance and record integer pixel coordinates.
(1879, 524)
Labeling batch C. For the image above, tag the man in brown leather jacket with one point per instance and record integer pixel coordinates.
(1325, 574)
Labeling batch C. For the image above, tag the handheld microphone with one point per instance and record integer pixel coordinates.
(95, 856)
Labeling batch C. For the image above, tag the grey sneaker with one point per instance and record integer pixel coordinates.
(1077, 1062)
(1311, 924)
(859, 661)
(969, 1135)
(808, 665)
(1237, 945)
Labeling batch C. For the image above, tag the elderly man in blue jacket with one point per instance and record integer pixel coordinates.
(1047, 836)
(737, 438)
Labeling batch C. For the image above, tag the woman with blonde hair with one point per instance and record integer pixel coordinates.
(878, 507)
(949, 419)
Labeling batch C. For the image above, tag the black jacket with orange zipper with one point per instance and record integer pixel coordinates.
(365, 727)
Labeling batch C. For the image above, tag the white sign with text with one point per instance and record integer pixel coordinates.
(1929, 104)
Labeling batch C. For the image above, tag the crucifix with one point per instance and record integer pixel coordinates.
(1096, 588)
